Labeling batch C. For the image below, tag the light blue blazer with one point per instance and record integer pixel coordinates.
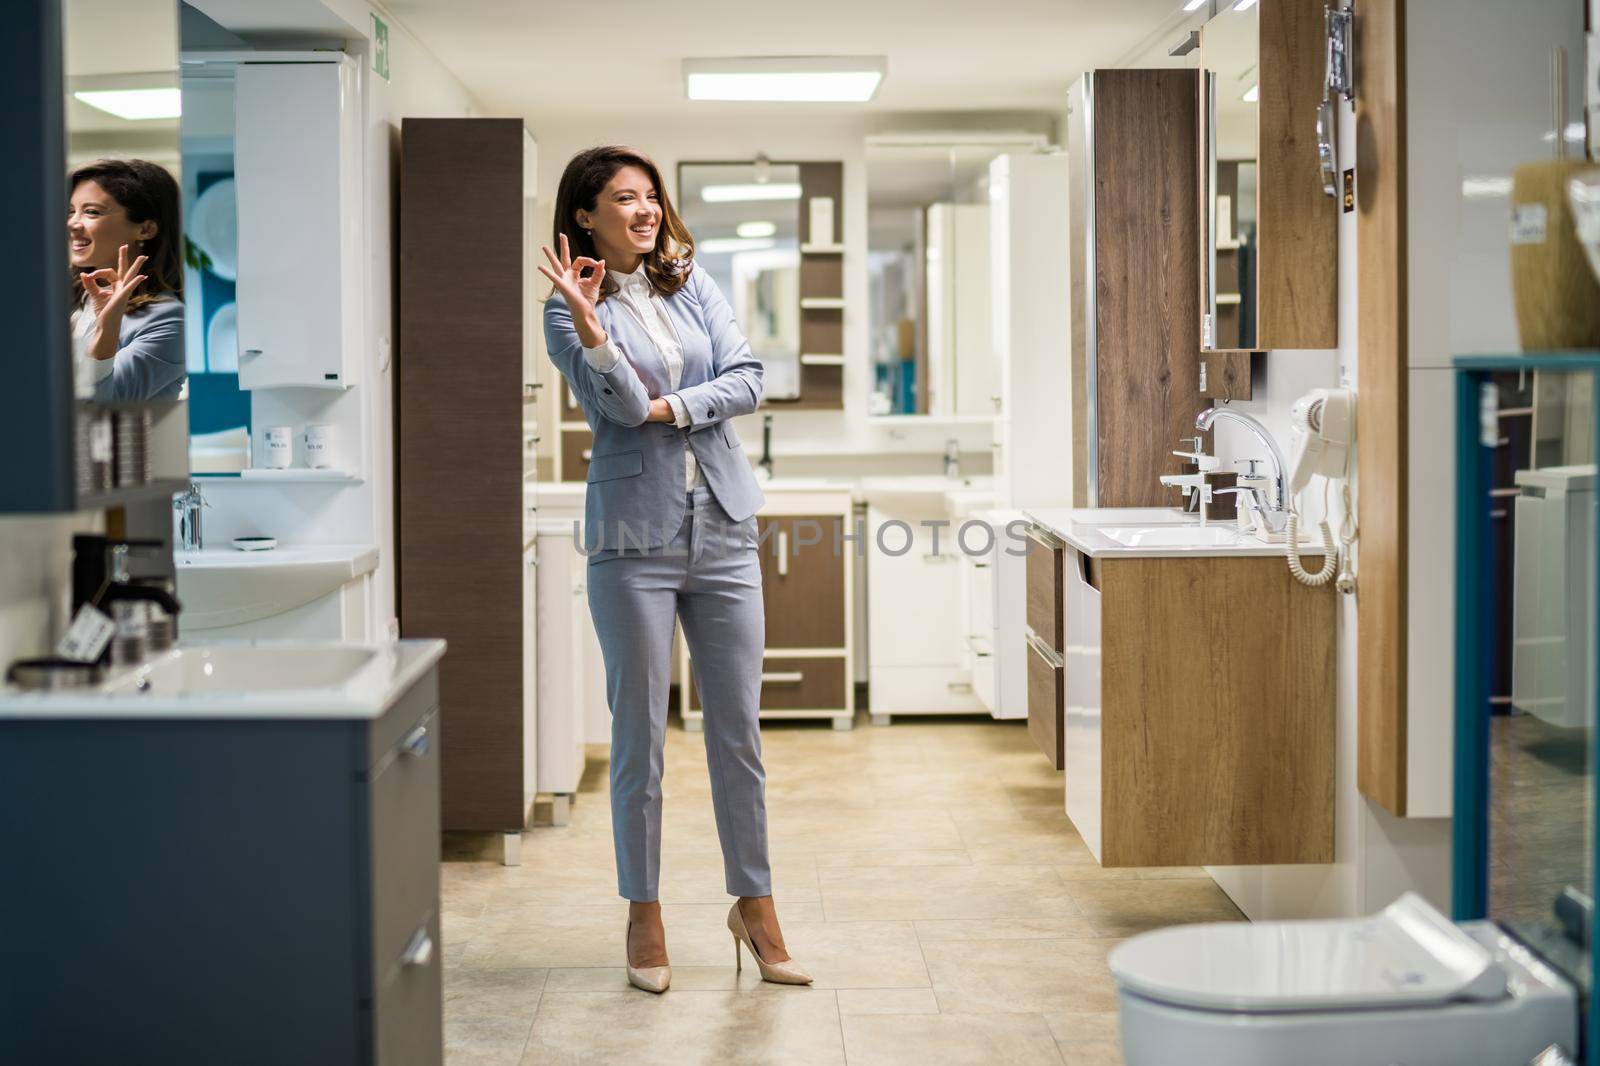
(637, 490)
(150, 362)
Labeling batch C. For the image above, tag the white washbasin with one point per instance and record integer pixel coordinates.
(226, 587)
(1172, 536)
(246, 669)
(255, 679)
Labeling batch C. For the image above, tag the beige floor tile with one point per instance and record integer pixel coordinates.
(1087, 1039)
(947, 1039)
(935, 931)
(887, 1001)
(797, 1025)
(916, 893)
(684, 979)
(950, 857)
(1124, 908)
(488, 1013)
(860, 954)
(1000, 976)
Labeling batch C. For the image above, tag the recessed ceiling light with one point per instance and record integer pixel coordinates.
(785, 79)
(1194, 5)
(733, 194)
(1244, 5)
(1250, 94)
(734, 244)
(757, 229)
(136, 105)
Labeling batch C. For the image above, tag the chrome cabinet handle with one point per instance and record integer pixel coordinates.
(782, 677)
(416, 743)
(783, 553)
(419, 950)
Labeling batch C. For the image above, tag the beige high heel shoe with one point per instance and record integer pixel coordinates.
(783, 973)
(650, 978)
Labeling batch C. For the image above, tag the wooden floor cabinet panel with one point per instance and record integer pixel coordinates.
(802, 579)
(1045, 589)
(1216, 724)
(1046, 703)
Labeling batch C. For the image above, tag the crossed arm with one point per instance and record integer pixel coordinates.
(618, 394)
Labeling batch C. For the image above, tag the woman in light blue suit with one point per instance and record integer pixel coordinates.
(651, 351)
(124, 242)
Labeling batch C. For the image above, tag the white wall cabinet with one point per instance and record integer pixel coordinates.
(565, 686)
(1032, 317)
(297, 155)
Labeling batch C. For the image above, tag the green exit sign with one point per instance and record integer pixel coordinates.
(380, 47)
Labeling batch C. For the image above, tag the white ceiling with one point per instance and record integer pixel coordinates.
(549, 60)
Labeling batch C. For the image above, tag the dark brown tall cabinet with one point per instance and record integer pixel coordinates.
(1133, 145)
(463, 452)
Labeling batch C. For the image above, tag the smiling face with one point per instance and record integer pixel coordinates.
(97, 226)
(626, 220)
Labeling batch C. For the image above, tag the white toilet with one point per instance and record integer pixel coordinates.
(1406, 987)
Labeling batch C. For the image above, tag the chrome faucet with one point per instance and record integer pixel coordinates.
(952, 458)
(188, 505)
(1267, 498)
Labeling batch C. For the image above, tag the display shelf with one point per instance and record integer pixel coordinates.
(822, 303)
(822, 249)
(298, 474)
(821, 359)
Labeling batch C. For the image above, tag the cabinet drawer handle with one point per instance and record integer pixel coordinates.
(416, 742)
(782, 677)
(419, 951)
(1044, 651)
(783, 553)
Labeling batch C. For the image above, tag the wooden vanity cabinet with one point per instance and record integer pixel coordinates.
(808, 669)
(1200, 711)
(1046, 639)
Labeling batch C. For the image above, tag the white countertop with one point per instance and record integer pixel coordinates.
(334, 681)
(1152, 533)
(965, 491)
(353, 559)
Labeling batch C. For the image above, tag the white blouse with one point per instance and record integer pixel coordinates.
(647, 307)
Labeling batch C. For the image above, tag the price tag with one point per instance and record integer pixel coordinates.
(87, 637)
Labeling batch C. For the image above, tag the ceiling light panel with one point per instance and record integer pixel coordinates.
(734, 194)
(135, 105)
(785, 79)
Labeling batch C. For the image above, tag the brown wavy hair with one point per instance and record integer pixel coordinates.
(587, 174)
(147, 193)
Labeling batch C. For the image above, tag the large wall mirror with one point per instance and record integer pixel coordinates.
(1230, 55)
(124, 166)
(928, 269)
(745, 218)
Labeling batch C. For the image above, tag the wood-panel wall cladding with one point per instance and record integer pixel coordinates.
(1297, 226)
(459, 449)
(1381, 725)
(1146, 299)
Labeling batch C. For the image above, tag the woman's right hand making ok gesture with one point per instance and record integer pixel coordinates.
(581, 293)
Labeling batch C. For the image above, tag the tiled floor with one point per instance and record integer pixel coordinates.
(925, 874)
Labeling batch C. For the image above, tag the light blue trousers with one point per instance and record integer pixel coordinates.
(709, 576)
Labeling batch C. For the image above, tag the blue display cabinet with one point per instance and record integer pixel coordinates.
(1526, 647)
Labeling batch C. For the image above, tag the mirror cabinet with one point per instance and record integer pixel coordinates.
(1269, 255)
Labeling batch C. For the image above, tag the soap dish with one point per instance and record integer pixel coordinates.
(255, 544)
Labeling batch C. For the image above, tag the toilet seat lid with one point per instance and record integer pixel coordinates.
(1407, 955)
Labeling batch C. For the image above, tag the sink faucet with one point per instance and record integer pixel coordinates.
(1268, 500)
(765, 462)
(952, 458)
(188, 505)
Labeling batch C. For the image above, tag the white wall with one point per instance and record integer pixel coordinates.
(36, 580)
(804, 442)
(418, 86)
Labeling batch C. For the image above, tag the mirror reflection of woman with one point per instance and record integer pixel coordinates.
(123, 239)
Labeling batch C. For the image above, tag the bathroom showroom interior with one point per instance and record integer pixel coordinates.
(1153, 443)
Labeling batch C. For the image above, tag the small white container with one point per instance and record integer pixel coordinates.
(277, 447)
(821, 221)
(321, 444)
